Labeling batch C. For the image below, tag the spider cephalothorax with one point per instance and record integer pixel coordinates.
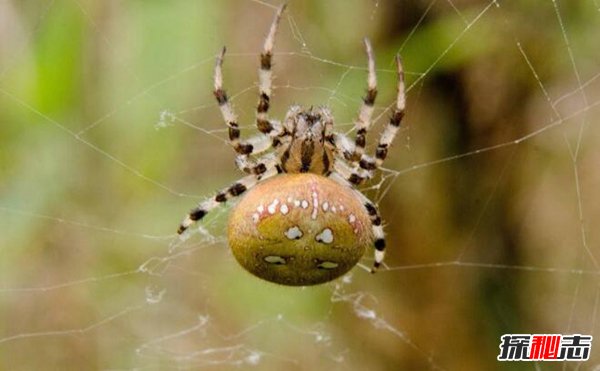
(308, 225)
(311, 142)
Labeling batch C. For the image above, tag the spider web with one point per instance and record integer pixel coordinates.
(110, 133)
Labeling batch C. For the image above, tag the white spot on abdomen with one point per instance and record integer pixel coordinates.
(293, 233)
(327, 265)
(274, 259)
(315, 210)
(284, 209)
(326, 236)
(273, 206)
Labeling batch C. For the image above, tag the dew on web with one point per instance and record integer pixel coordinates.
(154, 295)
(166, 119)
(487, 197)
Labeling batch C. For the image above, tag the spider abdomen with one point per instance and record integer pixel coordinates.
(299, 229)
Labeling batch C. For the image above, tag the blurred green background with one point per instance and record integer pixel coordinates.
(109, 133)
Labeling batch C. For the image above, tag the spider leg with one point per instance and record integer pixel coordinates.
(256, 167)
(390, 131)
(329, 140)
(260, 143)
(265, 77)
(363, 121)
(379, 243)
(352, 174)
(224, 195)
(350, 170)
(227, 110)
(252, 146)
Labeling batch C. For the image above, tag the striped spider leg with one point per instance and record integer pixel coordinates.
(266, 166)
(234, 190)
(365, 165)
(347, 172)
(363, 121)
(265, 78)
(269, 129)
(340, 175)
(252, 146)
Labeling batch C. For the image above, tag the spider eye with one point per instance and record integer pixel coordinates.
(299, 229)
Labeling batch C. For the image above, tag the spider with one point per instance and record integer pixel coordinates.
(317, 167)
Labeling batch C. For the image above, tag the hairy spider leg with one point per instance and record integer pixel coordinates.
(234, 190)
(376, 224)
(265, 78)
(363, 121)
